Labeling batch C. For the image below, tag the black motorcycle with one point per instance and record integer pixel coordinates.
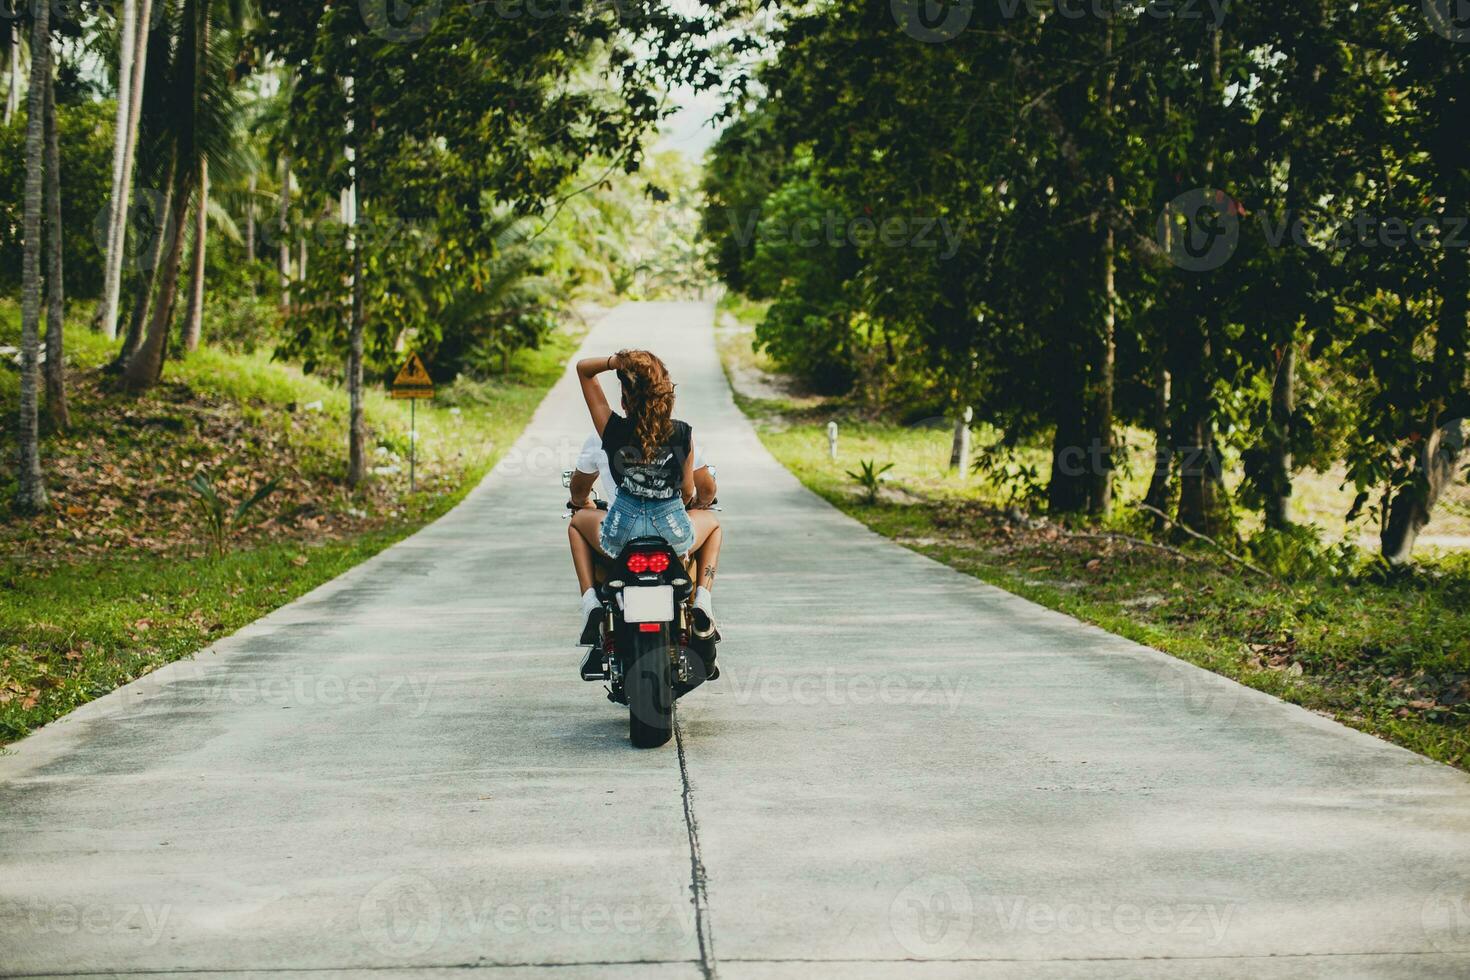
(647, 650)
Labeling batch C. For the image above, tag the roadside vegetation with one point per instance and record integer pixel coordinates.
(121, 574)
(223, 226)
(1190, 266)
(1195, 289)
(1329, 626)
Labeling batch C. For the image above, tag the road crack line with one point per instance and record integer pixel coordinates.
(698, 880)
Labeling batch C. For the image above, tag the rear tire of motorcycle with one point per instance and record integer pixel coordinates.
(649, 685)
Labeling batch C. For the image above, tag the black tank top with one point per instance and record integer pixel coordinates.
(661, 478)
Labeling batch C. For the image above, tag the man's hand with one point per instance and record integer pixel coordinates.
(581, 488)
(705, 489)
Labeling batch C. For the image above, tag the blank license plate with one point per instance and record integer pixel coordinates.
(649, 605)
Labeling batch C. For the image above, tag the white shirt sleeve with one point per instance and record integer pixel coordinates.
(588, 459)
(699, 461)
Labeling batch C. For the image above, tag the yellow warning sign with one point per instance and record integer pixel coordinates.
(413, 380)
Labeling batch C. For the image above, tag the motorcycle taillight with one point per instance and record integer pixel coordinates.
(640, 562)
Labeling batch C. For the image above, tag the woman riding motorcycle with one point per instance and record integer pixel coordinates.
(651, 455)
(593, 467)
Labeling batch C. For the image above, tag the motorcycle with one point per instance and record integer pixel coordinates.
(647, 651)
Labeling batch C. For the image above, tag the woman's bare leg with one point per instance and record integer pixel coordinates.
(582, 535)
(708, 537)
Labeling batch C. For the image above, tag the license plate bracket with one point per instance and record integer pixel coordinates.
(648, 604)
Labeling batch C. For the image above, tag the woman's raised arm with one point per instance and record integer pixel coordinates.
(587, 371)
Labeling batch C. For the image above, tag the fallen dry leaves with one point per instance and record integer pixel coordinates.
(119, 486)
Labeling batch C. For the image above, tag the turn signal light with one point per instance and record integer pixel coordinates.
(648, 561)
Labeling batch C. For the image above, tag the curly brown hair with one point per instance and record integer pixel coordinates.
(649, 396)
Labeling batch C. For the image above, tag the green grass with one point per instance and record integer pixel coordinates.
(1390, 656)
(117, 579)
(74, 633)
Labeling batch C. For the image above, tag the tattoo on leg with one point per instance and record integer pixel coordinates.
(709, 575)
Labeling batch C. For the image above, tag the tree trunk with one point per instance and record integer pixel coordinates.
(357, 423)
(1158, 485)
(959, 453)
(357, 427)
(1195, 422)
(117, 207)
(117, 232)
(250, 225)
(30, 494)
(194, 325)
(12, 94)
(1100, 391)
(1066, 491)
(283, 244)
(1413, 505)
(145, 368)
(301, 259)
(56, 408)
(1444, 442)
(1197, 472)
(133, 339)
(1278, 450)
(1100, 385)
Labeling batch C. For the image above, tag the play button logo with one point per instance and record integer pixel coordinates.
(401, 916)
(933, 917)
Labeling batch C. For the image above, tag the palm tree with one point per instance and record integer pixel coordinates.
(202, 124)
(30, 494)
(56, 408)
(12, 60)
(132, 69)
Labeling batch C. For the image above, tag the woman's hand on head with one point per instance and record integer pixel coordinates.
(587, 371)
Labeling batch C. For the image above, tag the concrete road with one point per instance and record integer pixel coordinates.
(903, 773)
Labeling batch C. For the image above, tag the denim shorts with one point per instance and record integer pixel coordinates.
(631, 517)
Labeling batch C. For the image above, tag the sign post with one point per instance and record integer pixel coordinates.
(412, 383)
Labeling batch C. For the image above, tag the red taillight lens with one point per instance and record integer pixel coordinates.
(649, 627)
(640, 562)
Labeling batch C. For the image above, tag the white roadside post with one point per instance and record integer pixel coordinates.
(832, 439)
(959, 456)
